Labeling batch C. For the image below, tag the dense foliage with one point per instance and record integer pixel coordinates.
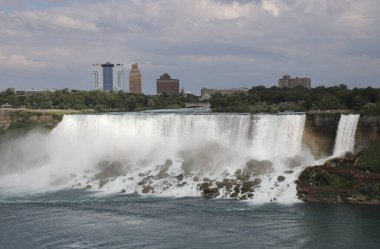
(274, 99)
(97, 100)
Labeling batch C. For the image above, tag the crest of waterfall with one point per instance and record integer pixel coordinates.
(277, 135)
(345, 137)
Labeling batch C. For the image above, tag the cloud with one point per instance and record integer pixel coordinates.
(68, 22)
(270, 7)
(20, 61)
(198, 41)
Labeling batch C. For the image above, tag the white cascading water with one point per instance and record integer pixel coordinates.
(345, 137)
(215, 146)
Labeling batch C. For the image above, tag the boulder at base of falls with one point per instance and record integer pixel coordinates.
(147, 189)
(108, 170)
(208, 191)
(281, 178)
(348, 179)
(163, 173)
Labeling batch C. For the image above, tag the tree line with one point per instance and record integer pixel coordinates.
(96, 100)
(274, 99)
(257, 99)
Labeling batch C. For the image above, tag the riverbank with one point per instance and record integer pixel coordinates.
(19, 121)
(349, 179)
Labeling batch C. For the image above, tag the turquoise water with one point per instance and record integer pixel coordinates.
(81, 219)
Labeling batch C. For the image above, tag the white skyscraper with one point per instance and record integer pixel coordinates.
(108, 77)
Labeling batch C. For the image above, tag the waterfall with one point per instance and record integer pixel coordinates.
(142, 145)
(278, 135)
(345, 137)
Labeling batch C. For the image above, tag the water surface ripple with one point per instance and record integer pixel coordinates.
(80, 219)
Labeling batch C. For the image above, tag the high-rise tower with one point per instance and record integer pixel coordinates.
(135, 79)
(108, 77)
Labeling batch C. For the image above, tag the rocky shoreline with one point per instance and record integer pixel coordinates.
(341, 180)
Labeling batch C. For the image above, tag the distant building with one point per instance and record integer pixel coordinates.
(108, 77)
(135, 79)
(32, 92)
(287, 82)
(6, 106)
(165, 84)
(207, 93)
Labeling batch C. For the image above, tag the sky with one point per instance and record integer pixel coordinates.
(47, 44)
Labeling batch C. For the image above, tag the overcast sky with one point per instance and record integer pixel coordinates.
(212, 43)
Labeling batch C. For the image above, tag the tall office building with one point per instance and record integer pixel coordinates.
(135, 79)
(165, 84)
(108, 77)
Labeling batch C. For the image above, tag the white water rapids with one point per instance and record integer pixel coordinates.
(198, 146)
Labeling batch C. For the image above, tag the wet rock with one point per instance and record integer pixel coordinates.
(206, 179)
(142, 174)
(147, 189)
(110, 170)
(167, 185)
(164, 169)
(196, 179)
(247, 187)
(243, 175)
(281, 178)
(210, 193)
(88, 186)
(140, 183)
(204, 185)
(227, 184)
(288, 172)
(103, 182)
(148, 178)
(162, 175)
(180, 177)
(123, 191)
(234, 194)
(256, 182)
(168, 163)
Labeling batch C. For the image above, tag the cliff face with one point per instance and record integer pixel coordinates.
(5, 120)
(320, 132)
(21, 121)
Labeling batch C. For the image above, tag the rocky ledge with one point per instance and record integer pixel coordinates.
(349, 179)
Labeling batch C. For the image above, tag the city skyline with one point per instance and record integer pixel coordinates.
(207, 43)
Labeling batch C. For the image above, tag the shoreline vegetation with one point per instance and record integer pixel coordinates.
(258, 99)
(320, 99)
